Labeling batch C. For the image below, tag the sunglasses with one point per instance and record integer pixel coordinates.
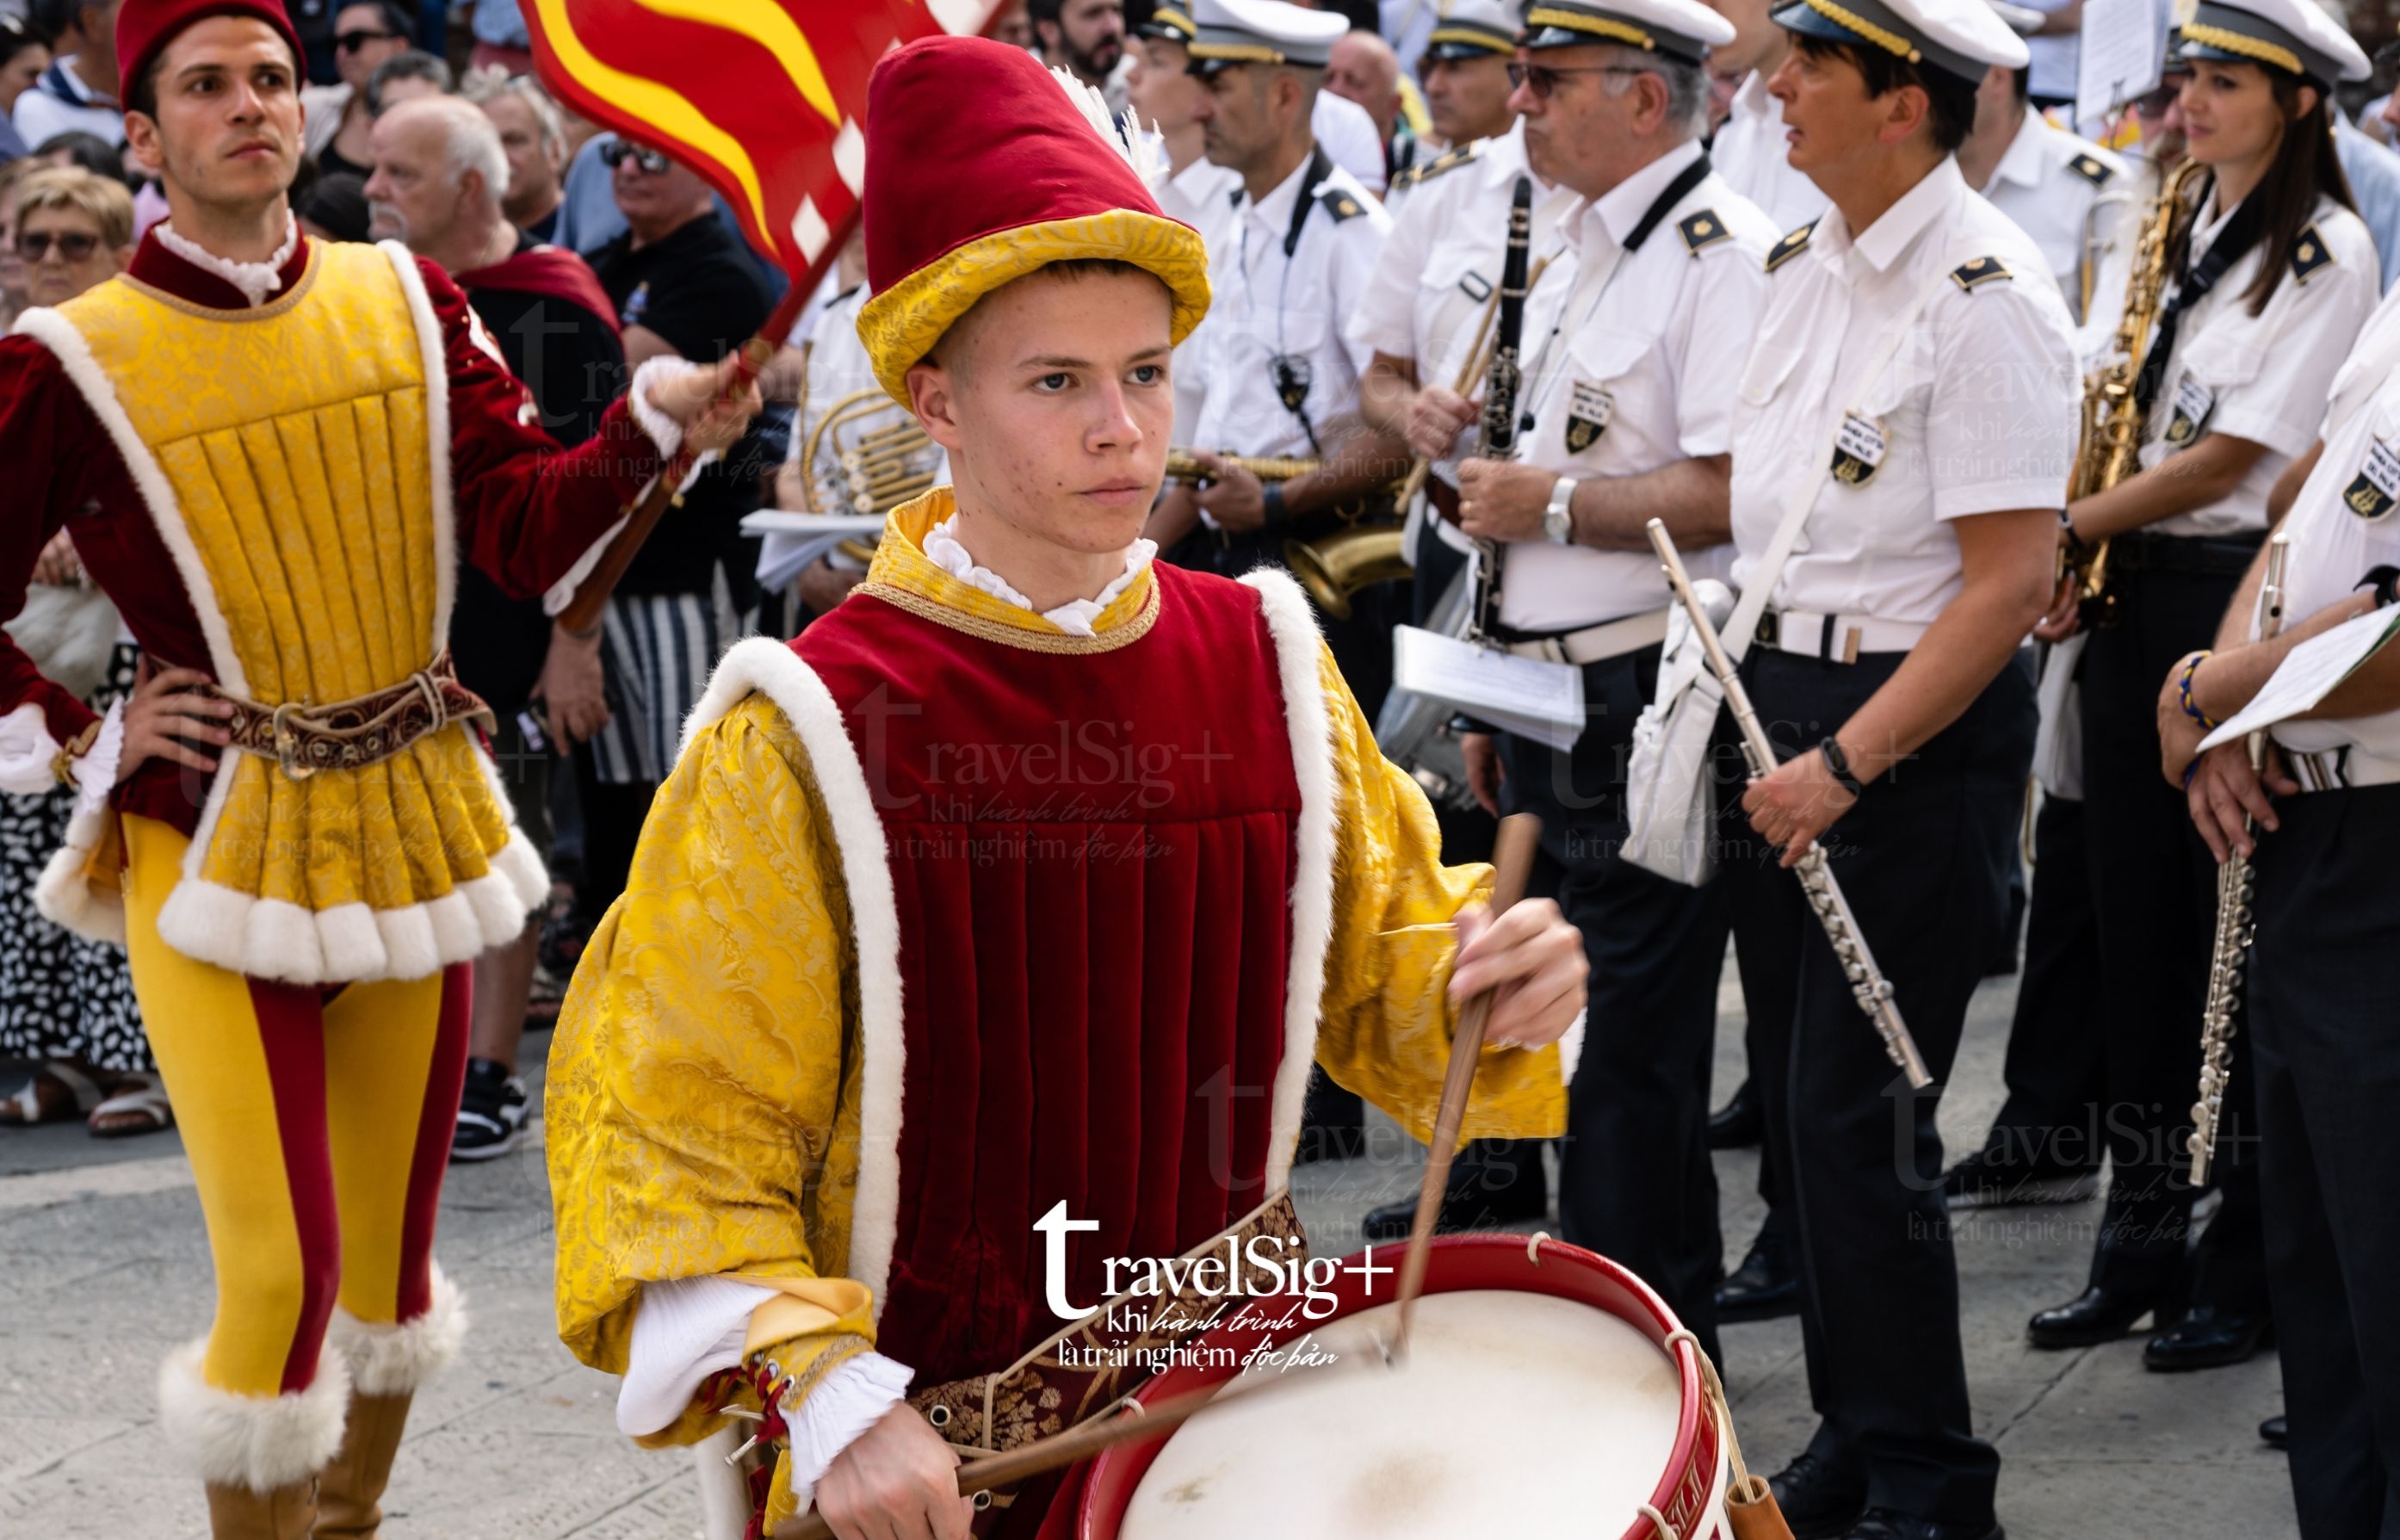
(1542, 81)
(351, 42)
(615, 155)
(34, 245)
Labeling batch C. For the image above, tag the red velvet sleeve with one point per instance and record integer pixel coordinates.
(56, 454)
(526, 509)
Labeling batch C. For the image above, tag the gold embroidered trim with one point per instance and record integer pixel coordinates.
(1889, 42)
(1167, 16)
(269, 311)
(2238, 43)
(1598, 26)
(1240, 53)
(923, 609)
(1491, 40)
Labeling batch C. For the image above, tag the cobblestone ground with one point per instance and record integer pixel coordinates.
(103, 1266)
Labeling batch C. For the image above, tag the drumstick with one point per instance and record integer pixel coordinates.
(1513, 863)
(1478, 360)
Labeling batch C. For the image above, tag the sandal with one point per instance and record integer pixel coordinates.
(140, 1100)
(56, 1093)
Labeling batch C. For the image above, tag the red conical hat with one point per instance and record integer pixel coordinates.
(981, 168)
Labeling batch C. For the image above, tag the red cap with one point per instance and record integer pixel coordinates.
(145, 26)
(981, 168)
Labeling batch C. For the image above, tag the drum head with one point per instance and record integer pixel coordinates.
(1537, 1383)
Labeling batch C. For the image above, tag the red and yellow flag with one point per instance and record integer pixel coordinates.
(765, 98)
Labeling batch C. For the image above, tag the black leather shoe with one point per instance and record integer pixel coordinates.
(2208, 1336)
(2093, 1317)
(1764, 1287)
(1740, 1124)
(1883, 1524)
(2273, 1433)
(1999, 1178)
(1463, 1208)
(1817, 1502)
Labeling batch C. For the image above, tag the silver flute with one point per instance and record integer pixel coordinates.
(1868, 986)
(2235, 929)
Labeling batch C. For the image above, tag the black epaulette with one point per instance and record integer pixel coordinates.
(2091, 169)
(1978, 270)
(1789, 246)
(2309, 253)
(844, 295)
(1340, 205)
(1702, 230)
(1447, 162)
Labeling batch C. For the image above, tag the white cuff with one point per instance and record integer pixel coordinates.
(561, 593)
(664, 432)
(844, 1406)
(685, 1331)
(27, 751)
(96, 771)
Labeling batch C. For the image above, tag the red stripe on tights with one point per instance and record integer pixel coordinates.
(292, 1032)
(446, 1076)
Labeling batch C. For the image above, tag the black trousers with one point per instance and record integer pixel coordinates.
(2154, 897)
(1923, 860)
(2327, 1066)
(1362, 643)
(1634, 1180)
(2057, 1068)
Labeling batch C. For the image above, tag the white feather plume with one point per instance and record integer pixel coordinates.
(1139, 150)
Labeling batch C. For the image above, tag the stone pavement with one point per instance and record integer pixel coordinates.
(103, 1266)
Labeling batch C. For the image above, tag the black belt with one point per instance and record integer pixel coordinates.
(2188, 555)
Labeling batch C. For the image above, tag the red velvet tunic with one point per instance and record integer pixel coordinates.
(1093, 856)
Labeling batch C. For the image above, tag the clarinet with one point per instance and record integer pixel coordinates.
(1868, 986)
(1502, 388)
(2234, 929)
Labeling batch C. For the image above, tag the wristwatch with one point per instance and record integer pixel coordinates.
(1557, 523)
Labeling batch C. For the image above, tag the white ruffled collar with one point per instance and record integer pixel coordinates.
(1074, 617)
(257, 280)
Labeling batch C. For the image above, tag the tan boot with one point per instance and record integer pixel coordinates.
(349, 1495)
(238, 1513)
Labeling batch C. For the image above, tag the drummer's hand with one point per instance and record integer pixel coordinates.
(897, 1480)
(1536, 960)
(713, 404)
(1435, 418)
(1503, 500)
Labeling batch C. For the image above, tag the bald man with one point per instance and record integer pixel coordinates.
(1365, 70)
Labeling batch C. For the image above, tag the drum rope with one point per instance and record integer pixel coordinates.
(1743, 1488)
(1658, 1521)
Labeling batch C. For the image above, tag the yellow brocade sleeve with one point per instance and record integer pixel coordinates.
(702, 1114)
(1388, 1018)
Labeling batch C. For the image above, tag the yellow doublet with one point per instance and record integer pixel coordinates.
(295, 457)
(704, 1105)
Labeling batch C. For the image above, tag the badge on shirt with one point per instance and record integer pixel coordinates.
(2378, 486)
(2193, 402)
(1858, 450)
(637, 304)
(1588, 415)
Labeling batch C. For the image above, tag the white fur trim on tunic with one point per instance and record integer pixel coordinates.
(393, 1358)
(259, 1442)
(1293, 626)
(774, 671)
(263, 937)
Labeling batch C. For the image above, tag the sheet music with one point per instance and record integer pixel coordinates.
(2309, 672)
(1526, 696)
(2121, 55)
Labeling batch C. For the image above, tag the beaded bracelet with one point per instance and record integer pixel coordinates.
(2183, 689)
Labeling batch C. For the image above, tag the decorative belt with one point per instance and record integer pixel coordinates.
(2334, 769)
(351, 734)
(1043, 1394)
(1594, 644)
(1836, 638)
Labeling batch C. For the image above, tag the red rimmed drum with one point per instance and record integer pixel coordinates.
(1541, 1393)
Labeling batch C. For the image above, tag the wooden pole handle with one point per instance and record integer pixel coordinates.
(1512, 866)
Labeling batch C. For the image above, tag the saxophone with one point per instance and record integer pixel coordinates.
(2234, 930)
(2109, 447)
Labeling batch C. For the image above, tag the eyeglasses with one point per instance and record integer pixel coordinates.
(34, 245)
(351, 42)
(1542, 79)
(616, 153)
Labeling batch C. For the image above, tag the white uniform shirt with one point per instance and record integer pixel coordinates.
(1978, 408)
(60, 102)
(2049, 182)
(1202, 195)
(1639, 372)
(1441, 264)
(2343, 524)
(1346, 130)
(1748, 152)
(2262, 377)
(1268, 306)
